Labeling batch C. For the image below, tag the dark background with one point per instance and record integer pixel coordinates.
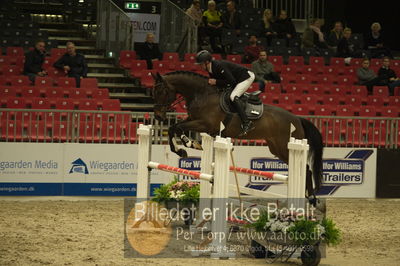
(359, 15)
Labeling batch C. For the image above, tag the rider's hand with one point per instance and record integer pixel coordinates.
(212, 81)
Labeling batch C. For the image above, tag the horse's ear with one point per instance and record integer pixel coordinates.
(157, 76)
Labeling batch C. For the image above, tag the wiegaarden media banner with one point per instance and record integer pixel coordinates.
(111, 169)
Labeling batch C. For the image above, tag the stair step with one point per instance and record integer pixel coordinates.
(124, 95)
(80, 47)
(69, 39)
(116, 85)
(105, 75)
(137, 106)
(94, 65)
(96, 56)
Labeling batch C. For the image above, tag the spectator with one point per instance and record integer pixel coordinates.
(267, 26)
(335, 35)
(374, 42)
(213, 22)
(231, 18)
(367, 76)
(345, 48)
(73, 64)
(150, 51)
(34, 61)
(264, 71)
(313, 37)
(252, 50)
(388, 76)
(284, 26)
(195, 12)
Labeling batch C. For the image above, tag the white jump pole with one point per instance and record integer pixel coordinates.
(298, 153)
(219, 227)
(143, 176)
(207, 144)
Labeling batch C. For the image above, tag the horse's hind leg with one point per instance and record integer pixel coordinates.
(310, 187)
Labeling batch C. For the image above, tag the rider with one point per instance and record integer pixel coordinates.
(230, 75)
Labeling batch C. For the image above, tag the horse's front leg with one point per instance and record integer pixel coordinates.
(179, 129)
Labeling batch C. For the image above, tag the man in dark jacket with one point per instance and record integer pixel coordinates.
(231, 18)
(34, 61)
(388, 76)
(73, 64)
(150, 51)
(229, 75)
(284, 26)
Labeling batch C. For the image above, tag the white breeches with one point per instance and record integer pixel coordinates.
(242, 86)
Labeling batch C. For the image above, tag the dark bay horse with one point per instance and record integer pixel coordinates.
(205, 115)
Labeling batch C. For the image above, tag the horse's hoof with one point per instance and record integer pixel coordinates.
(197, 145)
(182, 153)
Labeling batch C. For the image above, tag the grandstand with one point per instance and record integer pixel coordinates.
(114, 98)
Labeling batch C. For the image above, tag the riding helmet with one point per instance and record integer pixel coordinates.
(203, 56)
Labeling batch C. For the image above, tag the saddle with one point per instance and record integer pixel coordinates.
(254, 106)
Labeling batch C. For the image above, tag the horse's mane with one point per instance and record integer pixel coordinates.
(190, 73)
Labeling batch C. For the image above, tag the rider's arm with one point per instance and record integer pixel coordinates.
(228, 80)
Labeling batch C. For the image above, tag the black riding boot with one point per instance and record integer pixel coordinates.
(246, 123)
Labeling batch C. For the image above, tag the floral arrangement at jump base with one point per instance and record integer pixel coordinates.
(178, 191)
(298, 231)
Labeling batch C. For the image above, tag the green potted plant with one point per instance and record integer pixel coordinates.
(179, 194)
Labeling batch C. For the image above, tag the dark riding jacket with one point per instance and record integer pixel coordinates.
(228, 74)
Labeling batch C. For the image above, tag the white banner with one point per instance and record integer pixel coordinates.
(143, 24)
(31, 162)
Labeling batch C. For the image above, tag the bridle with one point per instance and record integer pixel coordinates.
(170, 104)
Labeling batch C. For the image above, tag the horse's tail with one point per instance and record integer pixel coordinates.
(314, 138)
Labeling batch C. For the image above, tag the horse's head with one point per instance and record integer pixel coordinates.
(163, 97)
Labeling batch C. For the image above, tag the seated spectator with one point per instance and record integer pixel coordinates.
(388, 76)
(264, 71)
(313, 36)
(345, 48)
(73, 64)
(34, 61)
(150, 51)
(374, 42)
(231, 18)
(367, 76)
(251, 51)
(284, 26)
(335, 35)
(213, 23)
(267, 26)
(195, 12)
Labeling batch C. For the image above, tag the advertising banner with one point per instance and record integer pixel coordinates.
(111, 169)
(143, 24)
(31, 168)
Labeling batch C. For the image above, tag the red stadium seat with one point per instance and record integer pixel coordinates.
(137, 66)
(359, 90)
(234, 58)
(331, 99)
(126, 57)
(216, 56)
(276, 60)
(390, 111)
(189, 57)
(20, 81)
(12, 70)
(367, 110)
(89, 83)
(381, 91)
(337, 62)
(345, 110)
(287, 99)
(172, 57)
(29, 92)
(317, 61)
(66, 82)
(100, 94)
(309, 99)
(345, 80)
(16, 102)
(272, 88)
(301, 109)
(394, 100)
(326, 79)
(289, 70)
(296, 60)
(7, 91)
(44, 82)
(295, 88)
(15, 51)
(376, 100)
(355, 100)
(319, 89)
(57, 52)
(111, 105)
(323, 110)
(55, 73)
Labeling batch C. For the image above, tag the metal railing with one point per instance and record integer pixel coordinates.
(296, 9)
(178, 33)
(27, 125)
(115, 30)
